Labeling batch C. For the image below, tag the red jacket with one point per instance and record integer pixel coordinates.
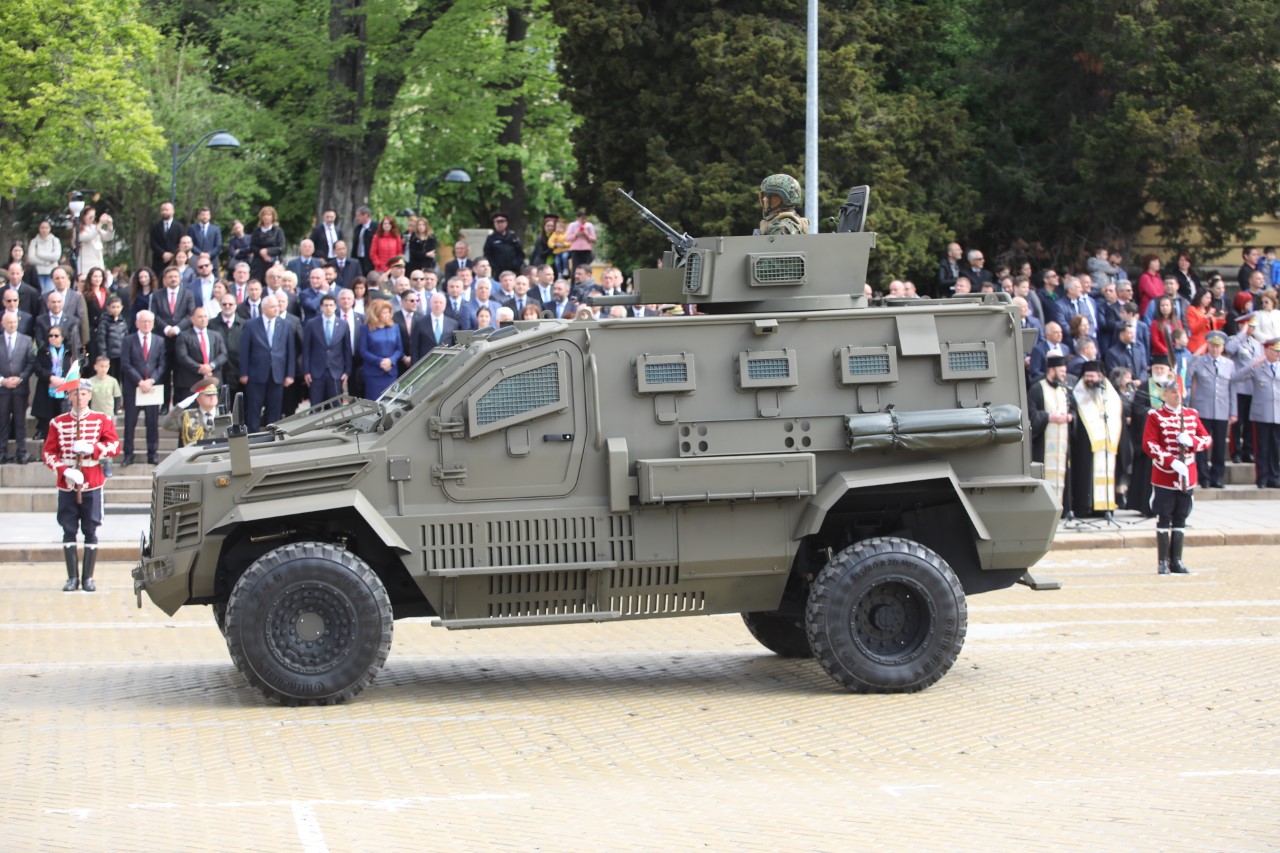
(383, 248)
(94, 427)
(1160, 442)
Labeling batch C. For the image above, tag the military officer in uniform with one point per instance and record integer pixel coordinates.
(77, 440)
(1244, 349)
(1172, 434)
(780, 195)
(1214, 400)
(1263, 376)
(195, 422)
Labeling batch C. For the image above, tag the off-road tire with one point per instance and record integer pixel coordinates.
(779, 633)
(309, 624)
(219, 609)
(886, 615)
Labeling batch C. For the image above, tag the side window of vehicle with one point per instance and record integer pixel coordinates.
(519, 393)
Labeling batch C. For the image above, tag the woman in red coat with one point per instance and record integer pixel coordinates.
(1163, 325)
(1150, 284)
(386, 244)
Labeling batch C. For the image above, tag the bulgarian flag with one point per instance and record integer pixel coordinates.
(72, 379)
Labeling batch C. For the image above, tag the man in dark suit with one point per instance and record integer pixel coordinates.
(200, 353)
(364, 238)
(172, 306)
(228, 325)
(17, 361)
(326, 346)
(522, 296)
(142, 361)
(306, 261)
(353, 322)
(454, 304)
(28, 296)
(11, 300)
(561, 305)
(348, 270)
(407, 321)
(206, 238)
(433, 331)
(1128, 353)
(326, 234)
(251, 307)
(164, 238)
(267, 363)
(461, 259)
(54, 315)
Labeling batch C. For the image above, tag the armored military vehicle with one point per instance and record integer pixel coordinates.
(840, 473)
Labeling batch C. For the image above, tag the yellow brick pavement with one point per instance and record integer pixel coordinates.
(1123, 712)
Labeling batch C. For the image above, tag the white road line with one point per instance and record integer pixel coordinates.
(309, 833)
(390, 804)
(1127, 605)
(892, 790)
(228, 724)
(106, 626)
(1011, 630)
(1191, 774)
(1130, 644)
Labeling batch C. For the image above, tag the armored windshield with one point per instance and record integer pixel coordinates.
(420, 375)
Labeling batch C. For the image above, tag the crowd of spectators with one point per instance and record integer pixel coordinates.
(286, 325)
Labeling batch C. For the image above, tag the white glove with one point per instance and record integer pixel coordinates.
(82, 447)
(1179, 467)
(73, 476)
(1185, 439)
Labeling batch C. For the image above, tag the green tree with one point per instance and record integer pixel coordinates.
(70, 86)
(693, 103)
(1107, 117)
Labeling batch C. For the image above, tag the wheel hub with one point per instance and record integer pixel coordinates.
(310, 628)
(891, 621)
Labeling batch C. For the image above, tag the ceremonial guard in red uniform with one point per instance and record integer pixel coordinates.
(1172, 437)
(77, 440)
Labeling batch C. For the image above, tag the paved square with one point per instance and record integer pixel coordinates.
(1125, 711)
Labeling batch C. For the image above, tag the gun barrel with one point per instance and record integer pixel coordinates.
(682, 243)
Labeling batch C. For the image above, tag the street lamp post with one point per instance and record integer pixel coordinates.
(219, 140)
(454, 175)
(75, 203)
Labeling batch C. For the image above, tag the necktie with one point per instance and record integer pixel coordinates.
(173, 302)
(9, 344)
(166, 225)
(455, 307)
(437, 329)
(328, 331)
(208, 420)
(270, 331)
(408, 323)
(204, 345)
(519, 307)
(204, 229)
(146, 347)
(253, 310)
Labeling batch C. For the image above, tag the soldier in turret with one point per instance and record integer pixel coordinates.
(780, 195)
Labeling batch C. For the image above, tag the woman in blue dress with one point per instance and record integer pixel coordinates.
(380, 348)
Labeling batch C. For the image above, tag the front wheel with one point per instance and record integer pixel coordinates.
(886, 615)
(309, 624)
(780, 633)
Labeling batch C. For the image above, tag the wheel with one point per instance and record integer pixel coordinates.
(779, 633)
(886, 615)
(220, 617)
(309, 624)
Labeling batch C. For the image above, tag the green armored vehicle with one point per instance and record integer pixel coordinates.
(840, 473)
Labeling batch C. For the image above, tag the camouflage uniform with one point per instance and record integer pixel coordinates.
(782, 219)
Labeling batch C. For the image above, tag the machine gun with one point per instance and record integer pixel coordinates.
(681, 243)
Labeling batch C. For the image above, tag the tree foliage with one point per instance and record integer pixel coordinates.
(1104, 117)
(693, 103)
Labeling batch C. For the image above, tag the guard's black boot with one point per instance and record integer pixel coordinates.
(86, 574)
(73, 567)
(1162, 552)
(1175, 554)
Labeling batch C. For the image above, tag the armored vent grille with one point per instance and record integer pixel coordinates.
(449, 546)
(176, 494)
(869, 365)
(970, 361)
(518, 394)
(538, 594)
(788, 269)
(666, 374)
(768, 368)
(644, 604)
(551, 541)
(693, 272)
(309, 480)
(188, 528)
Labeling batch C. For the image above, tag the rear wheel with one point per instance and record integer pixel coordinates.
(779, 633)
(886, 615)
(309, 624)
